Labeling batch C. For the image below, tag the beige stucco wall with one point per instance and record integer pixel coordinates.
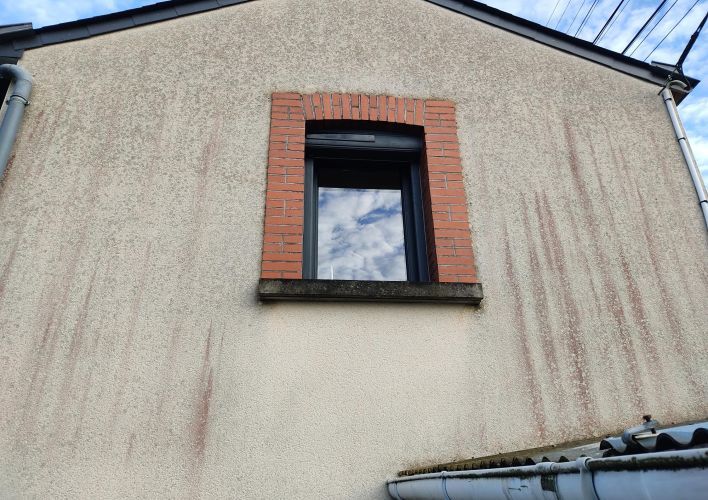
(135, 359)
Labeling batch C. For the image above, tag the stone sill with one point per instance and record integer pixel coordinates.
(369, 291)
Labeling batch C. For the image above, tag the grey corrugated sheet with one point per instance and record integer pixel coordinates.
(675, 438)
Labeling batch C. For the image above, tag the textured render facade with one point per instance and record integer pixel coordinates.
(136, 360)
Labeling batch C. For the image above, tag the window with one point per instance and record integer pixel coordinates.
(363, 204)
(365, 200)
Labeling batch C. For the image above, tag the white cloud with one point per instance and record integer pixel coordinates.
(694, 109)
(360, 235)
(47, 12)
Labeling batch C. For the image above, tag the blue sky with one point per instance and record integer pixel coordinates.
(694, 110)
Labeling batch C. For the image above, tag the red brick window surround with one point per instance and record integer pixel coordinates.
(449, 242)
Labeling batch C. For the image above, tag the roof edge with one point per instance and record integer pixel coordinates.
(13, 43)
(558, 40)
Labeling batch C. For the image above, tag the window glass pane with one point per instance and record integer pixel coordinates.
(360, 234)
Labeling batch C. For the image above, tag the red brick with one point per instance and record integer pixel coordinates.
(309, 109)
(328, 113)
(285, 162)
(347, 107)
(453, 169)
(292, 248)
(272, 238)
(364, 107)
(286, 95)
(279, 221)
(455, 260)
(282, 266)
(284, 229)
(452, 225)
(271, 274)
(443, 160)
(283, 195)
(292, 238)
(440, 130)
(471, 278)
(279, 136)
(440, 110)
(391, 116)
(448, 192)
(441, 104)
(295, 124)
(286, 153)
(419, 116)
(400, 110)
(293, 103)
(296, 146)
(451, 233)
(281, 257)
(432, 138)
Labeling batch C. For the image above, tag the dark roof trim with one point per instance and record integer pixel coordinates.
(560, 41)
(14, 41)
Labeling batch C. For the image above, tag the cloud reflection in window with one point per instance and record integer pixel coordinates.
(360, 235)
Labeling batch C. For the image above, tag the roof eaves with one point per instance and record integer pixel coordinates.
(561, 41)
(12, 43)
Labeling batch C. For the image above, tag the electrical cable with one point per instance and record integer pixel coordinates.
(562, 14)
(587, 16)
(671, 30)
(604, 26)
(554, 11)
(576, 15)
(653, 28)
(653, 14)
(614, 21)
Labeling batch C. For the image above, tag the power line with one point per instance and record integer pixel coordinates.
(671, 30)
(653, 28)
(587, 16)
(554, 11)
(562, 14)
(576, 15)
(604, 26)
(643, 27)
(614, 21)
(691, 42)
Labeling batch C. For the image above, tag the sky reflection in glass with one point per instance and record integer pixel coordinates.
(360, 235)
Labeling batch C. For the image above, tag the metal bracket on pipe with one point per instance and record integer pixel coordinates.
(586, 483)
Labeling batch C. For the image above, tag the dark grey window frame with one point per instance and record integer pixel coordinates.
(365, 149)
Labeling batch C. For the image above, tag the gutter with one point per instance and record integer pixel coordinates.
(680, 132)
(670, 474)
(19, 99)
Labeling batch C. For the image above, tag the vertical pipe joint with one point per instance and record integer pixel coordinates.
(688, 156)
(21, 82)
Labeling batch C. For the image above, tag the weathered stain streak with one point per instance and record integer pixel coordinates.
(200, 193)
(668, 305)
(571, 317)
(613, 300)
(7, 268)
(41, 358)
(533, 388)
(130, 334)
(75, 347)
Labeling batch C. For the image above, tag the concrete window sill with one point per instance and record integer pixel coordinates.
(369, 291)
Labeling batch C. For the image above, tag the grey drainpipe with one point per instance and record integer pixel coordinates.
(19, 98)
(668, 98)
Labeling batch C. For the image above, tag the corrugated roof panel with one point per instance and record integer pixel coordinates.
(675, 438)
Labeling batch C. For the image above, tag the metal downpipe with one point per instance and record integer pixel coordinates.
(693, 169)
(19, 98)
